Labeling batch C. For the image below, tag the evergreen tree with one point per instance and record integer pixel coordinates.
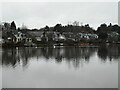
(13, 25)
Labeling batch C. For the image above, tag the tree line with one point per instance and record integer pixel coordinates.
(105, 32)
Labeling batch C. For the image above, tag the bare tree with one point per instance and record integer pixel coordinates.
(76, 23)
(23, 26)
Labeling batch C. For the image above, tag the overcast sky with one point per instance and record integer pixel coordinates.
(39, 14)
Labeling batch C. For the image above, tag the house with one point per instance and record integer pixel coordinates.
(55, 37)
(69, 36)
(36, 34)
(50, 35)
(93, 36)
(18, 37)
(113, 37)
(59, 37)
(88, 36)
(28, 41)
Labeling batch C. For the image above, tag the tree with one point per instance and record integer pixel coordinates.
(18, 28)
(13, 25)
(7, 25)
(75, 23)
(1, 27)
(103, 36)
(113, 37)
(102, 32)
(87, 25)
(44, 38)
(58, 27)
(46, 28)
(102, 52)
(102, 29)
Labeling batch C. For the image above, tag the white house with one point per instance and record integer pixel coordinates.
(18, 37)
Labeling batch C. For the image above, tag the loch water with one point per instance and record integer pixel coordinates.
(60, 67)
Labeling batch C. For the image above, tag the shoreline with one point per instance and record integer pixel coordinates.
(60, 45)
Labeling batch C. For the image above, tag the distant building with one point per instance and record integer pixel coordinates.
(36, 34)
(18, 37)
(69, 36)
(113, 37)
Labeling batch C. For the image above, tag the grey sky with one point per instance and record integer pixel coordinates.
(119, 13)
(39, 14)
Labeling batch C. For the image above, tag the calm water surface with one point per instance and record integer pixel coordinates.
(60, 67)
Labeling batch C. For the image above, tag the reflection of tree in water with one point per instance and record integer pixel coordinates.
(15, 55)
(0, 57)
(26, 54)
(102, 52)
(109, 52)
(9, 56)
(71, 55)
(78, 55)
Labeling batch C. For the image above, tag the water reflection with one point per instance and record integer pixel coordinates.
(74, 55)
(109, 52)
